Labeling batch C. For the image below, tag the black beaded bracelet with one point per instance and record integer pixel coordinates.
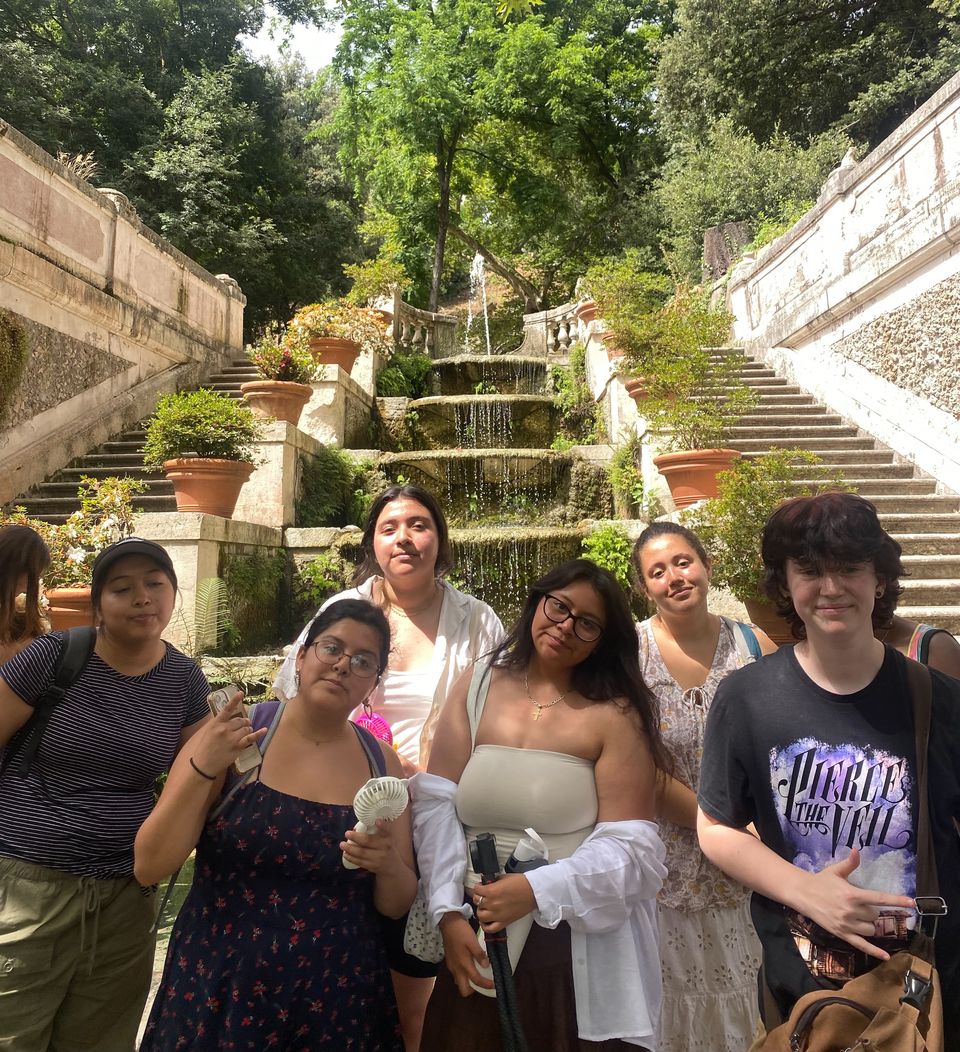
(203, 774)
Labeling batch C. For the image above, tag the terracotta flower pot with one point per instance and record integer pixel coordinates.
(69, 608)
(331, 350)
(636, 387)
(613, 351)
(277, 399)
(691, 474)
(586, 311)
(207, 485)
(764, 615)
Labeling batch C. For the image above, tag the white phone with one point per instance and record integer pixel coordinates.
(250, 757)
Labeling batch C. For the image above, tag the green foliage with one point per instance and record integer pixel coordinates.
(212, 627)
(408, 375)
(105, 516)
(335, 489)
(321, 577)
(800, 68)
(625, 285)
(254, 675)
(626, 481)
(383, 270)
(289, 359)
(252, 586)
(769, 227)
(609, 546)
(13, 358)
(200, 423)
(504, 323)
(342, 320)
(730, 525)
(730, 176)
(580, 421)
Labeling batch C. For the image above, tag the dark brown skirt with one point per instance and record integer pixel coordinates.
(545, 998)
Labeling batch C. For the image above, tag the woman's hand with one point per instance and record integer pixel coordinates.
(462, 953)
(218, 743)
(374, 852)
(504, 901)
(846, 910)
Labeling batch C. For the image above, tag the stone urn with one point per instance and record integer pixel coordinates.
(276, 399)
(208, 485)
(691, 474)
(610, 342)
(586, 311)
(636, 387)
(69, 608)
(333, 350)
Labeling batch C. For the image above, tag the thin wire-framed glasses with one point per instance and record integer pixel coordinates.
(586, 629)
(362, 663)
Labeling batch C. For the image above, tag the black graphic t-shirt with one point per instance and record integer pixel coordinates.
(821, 773)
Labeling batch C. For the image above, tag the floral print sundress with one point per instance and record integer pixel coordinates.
(278, 945)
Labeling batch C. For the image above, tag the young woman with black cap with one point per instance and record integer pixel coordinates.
(76, 950)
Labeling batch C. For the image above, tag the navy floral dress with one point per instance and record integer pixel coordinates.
(277, 946)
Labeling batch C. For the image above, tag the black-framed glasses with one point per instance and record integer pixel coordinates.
(362, 663)
(586, 629)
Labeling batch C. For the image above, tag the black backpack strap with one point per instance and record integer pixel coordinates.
(77, 649)
(920, 686)
(371, 746)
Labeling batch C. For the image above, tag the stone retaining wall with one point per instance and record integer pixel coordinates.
(114, 315)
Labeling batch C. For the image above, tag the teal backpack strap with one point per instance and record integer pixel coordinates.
(265, 714)
(748, 646)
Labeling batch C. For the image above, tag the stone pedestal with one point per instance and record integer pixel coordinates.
(339, 411)
(269, 496)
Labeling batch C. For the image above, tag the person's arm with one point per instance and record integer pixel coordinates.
(172, 830)
(827, 897)
(676, 802)
(14, 712)
(448, 757)
(625, 778)
(944, 654)
(388, 854)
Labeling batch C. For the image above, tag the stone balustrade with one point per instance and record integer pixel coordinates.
(415, 329)
(550, 332)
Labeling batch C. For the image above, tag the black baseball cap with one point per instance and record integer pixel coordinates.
(131, 546)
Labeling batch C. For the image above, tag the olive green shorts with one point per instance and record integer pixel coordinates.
(76, 957)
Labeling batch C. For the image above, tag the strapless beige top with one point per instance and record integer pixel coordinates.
(504, 790)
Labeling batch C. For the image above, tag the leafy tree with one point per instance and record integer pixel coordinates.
(802, 66)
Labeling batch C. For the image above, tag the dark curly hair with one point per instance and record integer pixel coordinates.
(826, 531)
(368, 563)
(612, 669)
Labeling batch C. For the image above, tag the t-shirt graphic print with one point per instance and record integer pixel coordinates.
(830, 799)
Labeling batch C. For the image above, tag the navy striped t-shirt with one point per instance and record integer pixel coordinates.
(91, 782)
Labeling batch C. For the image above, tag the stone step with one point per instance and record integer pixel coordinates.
(916, 543)
(122, 445)
(47, 507)
(947, 617)
(934, 503)
(927, 567)
(870, 464)
(929, 592)
(777, 411)
(874, 487)
(815, 416)
(770, 381)
(118, 463)
(913, 523)
(824, 446)
(778, 398)
(794, 434)
(67, 488)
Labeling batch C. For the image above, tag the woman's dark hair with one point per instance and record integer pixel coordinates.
(664, 528)
(22, 552)
(368, 563)
(612, 669)
(353, 610)
(826, 531)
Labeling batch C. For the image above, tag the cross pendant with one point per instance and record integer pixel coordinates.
(536, 715)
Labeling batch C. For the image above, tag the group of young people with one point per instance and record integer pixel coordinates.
(701, 797)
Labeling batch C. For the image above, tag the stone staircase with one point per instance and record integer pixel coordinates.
(912, 507)
(56, 499)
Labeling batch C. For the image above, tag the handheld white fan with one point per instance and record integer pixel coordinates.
(385, 798)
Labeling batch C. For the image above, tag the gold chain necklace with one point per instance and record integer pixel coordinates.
(407, 614)
(533, 701)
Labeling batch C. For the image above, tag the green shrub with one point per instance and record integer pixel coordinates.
(200, 423)
(407, 376)
(289, 360)
(336, 490)
(610, 547)
(626, 481)
(252, 583)
(321, 577)
(580, 420)
(13, 358)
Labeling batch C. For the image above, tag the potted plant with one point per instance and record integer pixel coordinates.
(203, 440)
(105, 516)
(337, 331)
(286, 370)
(730, 524)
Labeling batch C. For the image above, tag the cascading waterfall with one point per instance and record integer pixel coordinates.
(478, 281)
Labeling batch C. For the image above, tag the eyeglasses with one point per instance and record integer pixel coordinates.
(362, 663)
(586, 629)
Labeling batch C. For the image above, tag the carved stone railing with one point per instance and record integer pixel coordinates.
(415, 329)
(549, 332)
